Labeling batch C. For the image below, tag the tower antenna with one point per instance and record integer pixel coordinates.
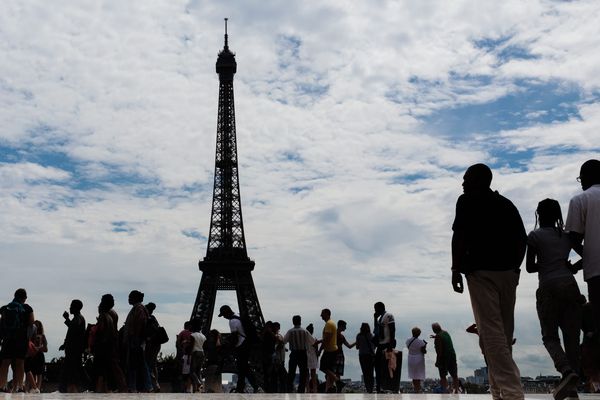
(226, 45)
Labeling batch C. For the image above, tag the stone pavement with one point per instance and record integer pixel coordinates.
(261, 396)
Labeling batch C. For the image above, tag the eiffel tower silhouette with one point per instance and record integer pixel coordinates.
(226, 265)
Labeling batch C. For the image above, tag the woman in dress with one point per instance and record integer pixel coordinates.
(416, 358)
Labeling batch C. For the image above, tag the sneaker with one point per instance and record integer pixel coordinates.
(572, 395)
(565, 386)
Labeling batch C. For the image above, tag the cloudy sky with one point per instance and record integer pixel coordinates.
(355, 123)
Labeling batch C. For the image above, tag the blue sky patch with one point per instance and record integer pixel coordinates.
(408, 178)
(534, 103)
(46, 156)
(312, 89)
(292, 156)
(514, 52)
(490, 44)
(289, 50)
(194, 234)
(503, 51)
(299, 189)
(121, 227)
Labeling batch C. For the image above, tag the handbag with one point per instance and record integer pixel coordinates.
(161, 335)
(32, 350)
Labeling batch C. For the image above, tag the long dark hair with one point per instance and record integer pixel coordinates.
(549, 211)
(365, 329)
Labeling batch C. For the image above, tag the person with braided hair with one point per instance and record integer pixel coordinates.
(557, 297)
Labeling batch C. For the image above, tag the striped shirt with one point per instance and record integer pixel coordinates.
(298, 338)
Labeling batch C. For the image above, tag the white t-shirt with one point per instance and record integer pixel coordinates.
(584, 218)
(199, 340)
(235, 325)
(384, 323)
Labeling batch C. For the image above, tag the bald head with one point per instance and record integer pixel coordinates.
(477, 178)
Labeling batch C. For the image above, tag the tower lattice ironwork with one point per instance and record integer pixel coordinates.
(226, 265)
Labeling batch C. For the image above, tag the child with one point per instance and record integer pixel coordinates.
(558, 297)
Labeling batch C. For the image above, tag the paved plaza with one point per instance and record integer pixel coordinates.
(235, 396)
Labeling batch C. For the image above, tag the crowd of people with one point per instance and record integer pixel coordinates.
(489, 244)
(122, 360)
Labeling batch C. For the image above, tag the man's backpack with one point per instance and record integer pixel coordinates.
(13, 319)
(250, 333)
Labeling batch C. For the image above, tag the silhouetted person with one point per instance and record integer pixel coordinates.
(197, 353)
(416, 359)
(241, 349)
(117, 380)
(16, 317)
(267, 352)
(488, 246)
(312, 361)
(445, 357)
(214, 362)
(279, 372)
(35, 365)
(366, 355)
(340, 358)
(329, 348)
(74, 346)
(558, 297)
(385, 338)
(104, 347)
(300, 341)
(185, 346)
(152, 346)
(134, 340)
(583, 224)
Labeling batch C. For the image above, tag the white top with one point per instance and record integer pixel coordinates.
(384, 323)
(199, 340)
(584, 218)
(235, 325)
(552, 248)
(415, 346)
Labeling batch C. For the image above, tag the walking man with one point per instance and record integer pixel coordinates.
(385, 336)
(445, 357)
(583, 224)
(488, 246)
(241, 351)
(300, 340)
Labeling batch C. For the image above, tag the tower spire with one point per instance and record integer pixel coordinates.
(226, 36)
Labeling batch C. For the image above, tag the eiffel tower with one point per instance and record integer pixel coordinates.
(226, 265)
